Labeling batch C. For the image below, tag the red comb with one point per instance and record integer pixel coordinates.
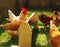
(24, 11)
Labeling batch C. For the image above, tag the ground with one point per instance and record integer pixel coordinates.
(40, 38)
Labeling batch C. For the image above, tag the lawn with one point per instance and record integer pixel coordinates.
(40, 38)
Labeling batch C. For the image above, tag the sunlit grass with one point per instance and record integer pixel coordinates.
(42, 40)
(4, 37)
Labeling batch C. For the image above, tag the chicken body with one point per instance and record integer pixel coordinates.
(56, 20)
(54, 35)
(45, 19)
(14, 22)
(11, 26)
(12, 18)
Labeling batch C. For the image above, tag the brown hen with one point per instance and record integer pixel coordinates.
(46, 19)
(54, 35)
(14, 22)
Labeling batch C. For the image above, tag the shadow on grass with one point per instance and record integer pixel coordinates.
(1, 30)
(9, 43)
(34, 37)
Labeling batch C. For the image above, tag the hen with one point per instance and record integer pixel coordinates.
(14, 22)
(33, 19)
(46, 19)
(13, 18)
(56, 20)
(54, 35)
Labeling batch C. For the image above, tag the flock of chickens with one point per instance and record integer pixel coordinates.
(15, 21)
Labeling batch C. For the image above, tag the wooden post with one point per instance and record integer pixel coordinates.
(25, 35)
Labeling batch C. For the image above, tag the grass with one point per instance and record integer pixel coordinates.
(40, 38)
